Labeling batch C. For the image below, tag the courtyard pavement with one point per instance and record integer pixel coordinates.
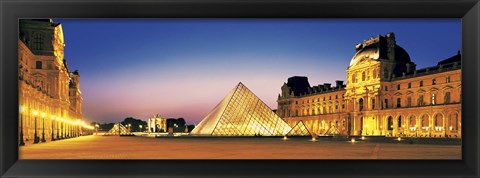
(136, 147)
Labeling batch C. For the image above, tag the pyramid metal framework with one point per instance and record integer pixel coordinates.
(241, 113)
(299, 130)
(118, 129)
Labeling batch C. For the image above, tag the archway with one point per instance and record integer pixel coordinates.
(360, 104)
(438, 122)
(390, 123)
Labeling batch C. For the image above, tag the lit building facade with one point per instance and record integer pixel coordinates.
(157, 124)
(385, 95)
(49, 93)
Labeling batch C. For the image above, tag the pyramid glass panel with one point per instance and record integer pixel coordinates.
(299, 130)
(241, 113)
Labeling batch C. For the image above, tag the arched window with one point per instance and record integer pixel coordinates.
(425, 122)
(399, 121)
(409, 101)
(373, 103)
(412, 121)
(438, 120)
(420, 100)
(453, 121)
(433, 99)
(447, 98)
(390, 123)
(360, 103)
(399, 103)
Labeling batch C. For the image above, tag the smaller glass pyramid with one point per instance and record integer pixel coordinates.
(118, 129)
(299, 130)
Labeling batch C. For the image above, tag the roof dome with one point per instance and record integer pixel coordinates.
(376, 48)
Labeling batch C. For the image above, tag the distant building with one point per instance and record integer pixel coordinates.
(157, 124)
(385, 95)
(49, 93)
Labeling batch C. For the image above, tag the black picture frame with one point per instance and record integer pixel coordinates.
(467, 10)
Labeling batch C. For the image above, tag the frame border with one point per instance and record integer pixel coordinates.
(468, 10)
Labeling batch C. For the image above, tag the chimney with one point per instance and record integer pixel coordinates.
(327, 86)
(339, 84)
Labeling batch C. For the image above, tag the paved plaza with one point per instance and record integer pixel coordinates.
(136, 147)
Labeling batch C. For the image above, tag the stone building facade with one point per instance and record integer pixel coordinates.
(385, 95)
(49, 93)
(157, 124)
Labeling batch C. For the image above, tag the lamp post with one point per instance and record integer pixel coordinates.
(43, 127)
(53, 120)
(140, 128)
(21, 142)
(36, 139)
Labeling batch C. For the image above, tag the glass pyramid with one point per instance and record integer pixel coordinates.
(299, 130)
(118, 129)
(241, 113)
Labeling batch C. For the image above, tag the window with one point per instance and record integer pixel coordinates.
(448, 79)
(360, 103)
(38, 41)
(433, 99)
(398, 87)
(330, 98)
(434, 81)
(386, 103)
(375, 73)
(399, 103)
(38, 65)
(409, 85)
(413, 122)
(336, 96)
(373, 103)
(385, 73)
(420, 100)
(447, 98)
(390, 123)
(363, 76)
(296, 102)
(399, 121)
(386, 88)
(353, 78)
(409, 101)
(296, 112)
(421, 83)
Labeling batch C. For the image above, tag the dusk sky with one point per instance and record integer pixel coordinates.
(184, 67)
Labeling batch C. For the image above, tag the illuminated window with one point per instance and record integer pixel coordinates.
(433, 99)
(425, 121)
(374, 73)
(390, 123)
(353, 78)
(434, 81)
(412, 122)
(438, 120)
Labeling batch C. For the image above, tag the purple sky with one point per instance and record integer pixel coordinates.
(184, 67)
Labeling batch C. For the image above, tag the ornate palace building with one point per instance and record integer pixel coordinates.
(385, 95)
(49, 93)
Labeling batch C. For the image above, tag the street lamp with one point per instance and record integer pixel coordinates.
(21, 143)
(36, 139)
(53, 120)
(140, 127)
(43, 127)
(129, 127)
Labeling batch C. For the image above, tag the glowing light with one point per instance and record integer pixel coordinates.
(314, 139)
(21, 109)
(35, 112)
(363, 138)
(53, 117)
(352, 140)
(284, 137)
(43, 114)
(399, 139)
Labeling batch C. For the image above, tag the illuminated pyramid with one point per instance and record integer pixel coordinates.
(118, 129)
(299, 130)
(241, 113)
